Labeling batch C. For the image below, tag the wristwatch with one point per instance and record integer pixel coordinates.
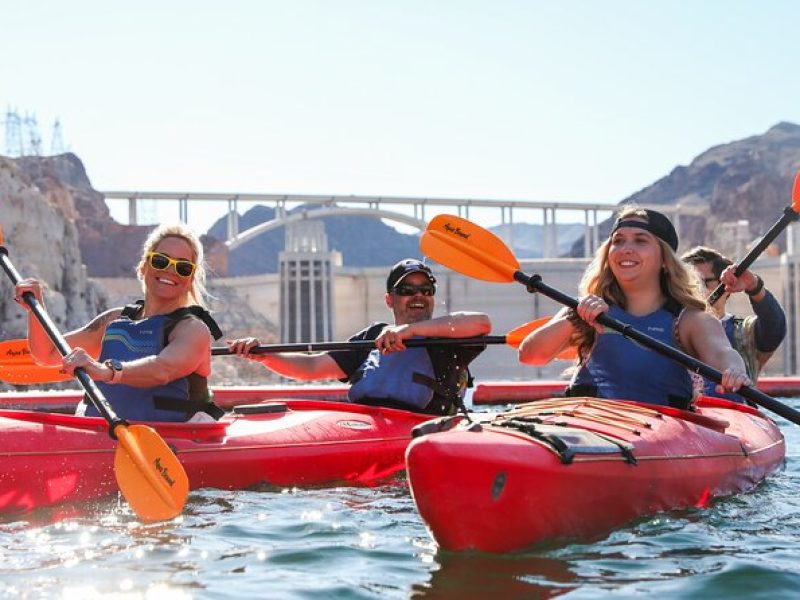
(116, 370)
(757, 288)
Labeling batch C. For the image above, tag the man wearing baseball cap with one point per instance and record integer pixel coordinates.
(756, 336)
(429, 379)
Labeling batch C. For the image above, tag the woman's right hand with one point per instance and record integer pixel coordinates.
(242, 346)
(590, 308)
(29, 285)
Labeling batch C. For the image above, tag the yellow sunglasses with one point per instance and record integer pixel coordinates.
(161, 262)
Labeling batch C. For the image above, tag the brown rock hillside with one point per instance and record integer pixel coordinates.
(747, 179)
(42, 240)
(108, 248)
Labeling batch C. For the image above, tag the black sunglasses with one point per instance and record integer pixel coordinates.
(407, 289)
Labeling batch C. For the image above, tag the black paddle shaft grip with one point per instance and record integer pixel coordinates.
(534, 283)
(92, 391)
(365, 345)
(788, 216)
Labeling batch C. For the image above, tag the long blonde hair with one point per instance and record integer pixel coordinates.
(197, 291)
(678, 282)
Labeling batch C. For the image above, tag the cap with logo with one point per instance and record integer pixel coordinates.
(407, 267)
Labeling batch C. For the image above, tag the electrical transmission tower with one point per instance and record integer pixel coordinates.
(23, 137)
(34, 138)
(56, 140)
(15, 145)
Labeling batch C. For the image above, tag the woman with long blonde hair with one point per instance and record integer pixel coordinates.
(637, 279)
(151, 359)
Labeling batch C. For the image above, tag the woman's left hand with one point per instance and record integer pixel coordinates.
(589, 308)
(732, 380)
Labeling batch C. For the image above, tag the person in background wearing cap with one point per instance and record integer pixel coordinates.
(756, 336)
(636, 278)
(427, 379)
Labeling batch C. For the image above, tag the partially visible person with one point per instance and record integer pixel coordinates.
(636, 278)
(150, 359)
(429, 379)
(755, 337)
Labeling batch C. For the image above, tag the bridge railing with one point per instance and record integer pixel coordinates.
(410, 211)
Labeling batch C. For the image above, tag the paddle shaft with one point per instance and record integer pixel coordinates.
(789, 215)
(92, 391)
(535, 282)
(365, 345)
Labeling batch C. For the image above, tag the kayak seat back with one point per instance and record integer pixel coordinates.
(260, 408)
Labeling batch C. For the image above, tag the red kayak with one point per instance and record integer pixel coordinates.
(567, 469)
(48, 458)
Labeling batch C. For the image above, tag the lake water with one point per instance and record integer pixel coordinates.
(370, 543)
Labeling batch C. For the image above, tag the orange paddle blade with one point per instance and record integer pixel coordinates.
(468, 249)
(149, 474)
(15, 352)
(28, 374)
(515, 336)
(18, 367)
(796, 193)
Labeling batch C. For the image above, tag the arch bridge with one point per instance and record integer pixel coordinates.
(395, 209)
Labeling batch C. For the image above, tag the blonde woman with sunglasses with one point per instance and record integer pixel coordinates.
(151, 359)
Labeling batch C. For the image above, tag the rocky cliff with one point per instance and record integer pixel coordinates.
(747, 179)
(56, 225)
(43, 240)
(108, 249)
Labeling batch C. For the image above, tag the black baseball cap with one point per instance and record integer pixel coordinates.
(657, 224)
(406, 267)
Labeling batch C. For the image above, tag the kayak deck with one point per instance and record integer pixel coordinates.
(580, 467)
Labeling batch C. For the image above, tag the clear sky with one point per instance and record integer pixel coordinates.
(537, 100)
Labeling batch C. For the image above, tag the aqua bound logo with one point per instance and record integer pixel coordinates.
(163, 471)
(11, 352)
(456, 231)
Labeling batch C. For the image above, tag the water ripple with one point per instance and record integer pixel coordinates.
(355, 543)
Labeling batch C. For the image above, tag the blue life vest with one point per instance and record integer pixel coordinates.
(127, 340)
(710, 387)
(618, 368)
(404, 378)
